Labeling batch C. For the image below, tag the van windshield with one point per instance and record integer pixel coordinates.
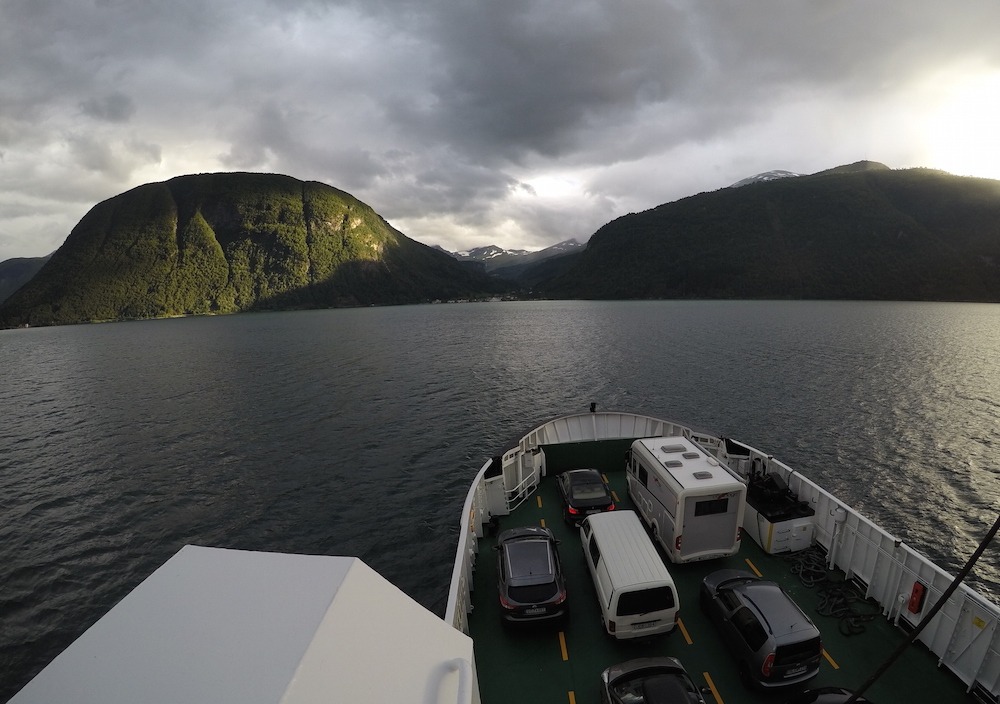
(643, 601)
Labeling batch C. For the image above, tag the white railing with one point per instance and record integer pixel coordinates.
(963, 635)
(474, 515)
(521, 469)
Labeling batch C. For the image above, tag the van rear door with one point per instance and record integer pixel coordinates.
(646, 608)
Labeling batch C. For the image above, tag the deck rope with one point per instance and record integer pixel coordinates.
(838, 598)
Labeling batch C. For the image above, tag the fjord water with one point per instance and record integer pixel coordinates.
(357, 431)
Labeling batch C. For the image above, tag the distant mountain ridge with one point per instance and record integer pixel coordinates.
(494, 258)
(14, 273)
(766, 176)
(217, 243)
(857, 232)
(856, 167)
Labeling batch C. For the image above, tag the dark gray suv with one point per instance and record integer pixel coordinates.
(774, 642)
(530, 580)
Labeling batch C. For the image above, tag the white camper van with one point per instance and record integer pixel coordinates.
(635, 590)
(693, 504)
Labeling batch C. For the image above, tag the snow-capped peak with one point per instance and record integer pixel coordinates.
(766, 176)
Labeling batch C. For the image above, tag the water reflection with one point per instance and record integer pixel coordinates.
(357, 431)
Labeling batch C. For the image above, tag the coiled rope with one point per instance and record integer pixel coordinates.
(837, 597)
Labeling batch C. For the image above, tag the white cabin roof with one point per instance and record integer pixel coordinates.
(215, 626)
(689, 464)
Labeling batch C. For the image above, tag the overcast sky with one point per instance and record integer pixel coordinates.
(471, 122)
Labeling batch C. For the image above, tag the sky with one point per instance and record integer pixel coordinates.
(464, 123)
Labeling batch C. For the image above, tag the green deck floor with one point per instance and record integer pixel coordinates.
(562, 663)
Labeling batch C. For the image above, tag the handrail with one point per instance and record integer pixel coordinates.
(458, 592)
(464, 668)
(520, 493)
(860, 548)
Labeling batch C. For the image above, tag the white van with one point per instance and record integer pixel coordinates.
(635, 590)
(693, 504)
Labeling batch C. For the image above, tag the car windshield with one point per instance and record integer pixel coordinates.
(583, 492)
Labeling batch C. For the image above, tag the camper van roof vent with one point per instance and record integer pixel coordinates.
(672, 448)
(702, 475)
(691, 455)
(673, 463)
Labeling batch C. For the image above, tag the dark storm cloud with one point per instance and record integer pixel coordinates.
(531, 77)
(464, 122)
(115, 107)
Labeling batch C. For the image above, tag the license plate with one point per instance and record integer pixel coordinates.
(796, 671)
(535, 610)
(644, 624)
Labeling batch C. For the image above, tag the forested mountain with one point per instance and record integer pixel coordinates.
(223, 243)
(861, 231)
(220, 243)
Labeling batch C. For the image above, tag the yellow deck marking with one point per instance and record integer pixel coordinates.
(711, 686)
(572, 697)
(539, 500)
(542, 521)
(684, 632)
(830, 660)
(754, 568)
(605, 478)
(615, 497)
(562, 645)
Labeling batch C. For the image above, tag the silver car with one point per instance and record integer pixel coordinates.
(659, 680)
(826, 695)
(774, 642)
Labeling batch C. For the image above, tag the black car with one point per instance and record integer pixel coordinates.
(659, 680)
(826, 695)
(529, 575)
(775, 644)
(584, 492)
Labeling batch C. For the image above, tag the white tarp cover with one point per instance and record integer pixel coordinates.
(213, 626)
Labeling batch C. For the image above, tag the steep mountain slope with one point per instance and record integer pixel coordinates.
(229, 242)
(856, 232)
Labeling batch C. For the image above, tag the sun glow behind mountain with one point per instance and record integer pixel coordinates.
(963, 133)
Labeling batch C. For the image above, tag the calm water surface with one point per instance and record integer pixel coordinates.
(357, 431)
